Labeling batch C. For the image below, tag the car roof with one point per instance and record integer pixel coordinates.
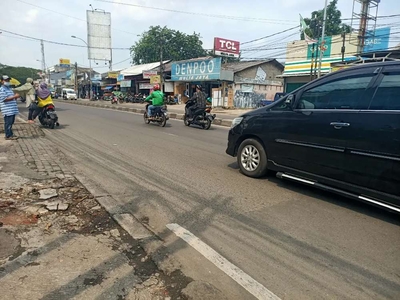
(369, 65)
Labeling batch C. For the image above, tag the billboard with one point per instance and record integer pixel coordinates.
(64, 62)
(224, 47)
(326, 46)
(120, 77)
(99, 35)
(378, 40)
(196, 70)
(148, 74)
(113, 75)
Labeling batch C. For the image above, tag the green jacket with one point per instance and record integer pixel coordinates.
(26, 89)
(157, 98)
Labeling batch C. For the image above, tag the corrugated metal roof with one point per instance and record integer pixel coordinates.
(243, 65)
(138, 69)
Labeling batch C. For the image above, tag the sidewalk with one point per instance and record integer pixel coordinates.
(56, 241)
(224, 117)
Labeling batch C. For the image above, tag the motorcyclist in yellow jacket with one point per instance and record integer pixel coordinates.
(44, 99)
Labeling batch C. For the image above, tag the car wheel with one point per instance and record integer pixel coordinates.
(252, 158)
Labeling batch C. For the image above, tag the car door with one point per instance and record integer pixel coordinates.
(313, 136)
(373, 154)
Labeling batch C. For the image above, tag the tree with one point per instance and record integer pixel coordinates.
(19, 73)
(176, 45)
(333, 26)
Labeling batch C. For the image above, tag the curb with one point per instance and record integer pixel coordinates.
(176, 116)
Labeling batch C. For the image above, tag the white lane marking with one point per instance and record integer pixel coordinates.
(246, 281)
(171, 134)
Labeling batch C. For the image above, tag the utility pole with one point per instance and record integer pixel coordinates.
(322, 39)
(43, 59)
(161, 68)
(312, 61)
(343, 50)
(90, 65)
(76, 77)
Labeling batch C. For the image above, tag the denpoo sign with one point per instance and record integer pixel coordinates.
(196, 70)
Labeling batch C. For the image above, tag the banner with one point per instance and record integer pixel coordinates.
(326, 47)
(145, 86)
(148, 74)
(113, 75)
(155, 79)
(125, 83)
(64, 62)
(197, 70)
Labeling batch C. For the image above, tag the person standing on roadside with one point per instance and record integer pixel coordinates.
(8, 105)
(29, 91)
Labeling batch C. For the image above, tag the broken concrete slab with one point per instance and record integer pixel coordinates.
(132, 226)
(8, 244)
(47, 194)
(202, 290)
(57, 206)
(11, 181)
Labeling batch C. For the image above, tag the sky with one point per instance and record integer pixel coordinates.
(57, 20)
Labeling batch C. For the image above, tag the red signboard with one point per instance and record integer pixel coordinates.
(224, 47)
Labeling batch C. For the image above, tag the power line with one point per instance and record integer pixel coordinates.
(65, 15)
(263, 20)
(59, 43)
(268, 36)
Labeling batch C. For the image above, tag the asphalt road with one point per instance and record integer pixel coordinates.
(298, 242)
(179, 109)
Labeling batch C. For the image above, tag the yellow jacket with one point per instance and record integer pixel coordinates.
(44, 102)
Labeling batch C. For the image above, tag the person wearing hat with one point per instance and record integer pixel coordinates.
(8, 105)
(28, 91)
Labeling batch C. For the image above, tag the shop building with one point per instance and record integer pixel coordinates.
(254, 81)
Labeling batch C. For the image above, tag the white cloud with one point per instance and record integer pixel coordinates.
(31, 16)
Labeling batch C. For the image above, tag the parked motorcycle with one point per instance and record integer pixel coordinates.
(48, 116)
(160, 115)
(170, 100)
(95, 97)
(202, 117)
(129, 98)
(114, 100)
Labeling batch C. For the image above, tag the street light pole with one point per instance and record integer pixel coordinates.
(90, 66)
(321, 53)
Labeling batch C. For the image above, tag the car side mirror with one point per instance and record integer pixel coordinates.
(289, 100)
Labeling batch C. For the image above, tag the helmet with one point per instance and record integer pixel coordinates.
(156, 87)
(198, 86)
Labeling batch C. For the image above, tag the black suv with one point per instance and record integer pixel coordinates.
(340, 133)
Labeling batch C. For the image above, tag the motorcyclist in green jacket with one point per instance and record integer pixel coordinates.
(157, 99)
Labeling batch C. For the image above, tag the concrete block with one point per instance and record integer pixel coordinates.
(132, 226)
(226, 123)
(217, 121)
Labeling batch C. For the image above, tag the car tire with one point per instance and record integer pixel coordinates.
(252, 158)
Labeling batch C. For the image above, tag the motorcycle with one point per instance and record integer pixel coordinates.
(121, 98)
(114, 100)
(48, 116)
(95, 97)
(129, 98)
(160, 115)
(202, 117)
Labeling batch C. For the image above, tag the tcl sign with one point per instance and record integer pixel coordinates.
(224, 47)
